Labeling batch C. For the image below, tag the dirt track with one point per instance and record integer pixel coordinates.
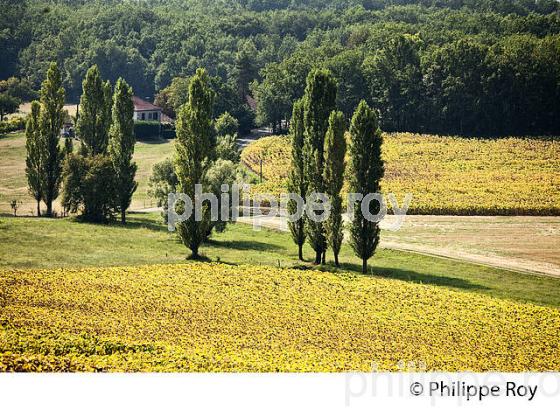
(525, 244)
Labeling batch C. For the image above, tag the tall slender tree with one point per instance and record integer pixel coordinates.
(367, 169)
(335, 151)
(121, 146)
(33, 165)
(51, 120)
(95, 113)
(193, 149)
(297, 182)
(319, 102)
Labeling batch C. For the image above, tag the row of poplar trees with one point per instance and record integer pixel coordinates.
(318, 166)
(98, 180)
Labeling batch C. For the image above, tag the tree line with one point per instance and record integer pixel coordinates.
(318, 167)
(98, 179)
(446, 66)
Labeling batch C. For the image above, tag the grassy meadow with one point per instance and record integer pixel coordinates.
(13, 183)
(33, 243)
(447, 175)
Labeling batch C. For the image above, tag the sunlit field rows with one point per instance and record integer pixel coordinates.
(447, 175)
(215, 317)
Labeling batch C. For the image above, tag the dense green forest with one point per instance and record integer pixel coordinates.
(472, 67)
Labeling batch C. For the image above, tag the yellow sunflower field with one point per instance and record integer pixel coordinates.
(215, 317)
(446, 175)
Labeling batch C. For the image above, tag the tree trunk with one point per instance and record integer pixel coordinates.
(364, 266)
(123, 216)
(38, 207)
(336, 260)
(300, 252)
(49, 208)
(317, 258)
(194, 253)
(324, 258)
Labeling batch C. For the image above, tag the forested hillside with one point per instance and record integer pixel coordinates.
(471, 67)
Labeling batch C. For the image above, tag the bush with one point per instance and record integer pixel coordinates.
(14, 124)
(147, 130)
(226, 124)
(168, 131)
(227, 149)
(89, 187)
(162, 182)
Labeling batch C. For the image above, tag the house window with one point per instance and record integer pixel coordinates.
(143, 116)
(155, 115)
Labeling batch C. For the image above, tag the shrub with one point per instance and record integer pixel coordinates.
(14, 124)
(147, 130)
(89, 187)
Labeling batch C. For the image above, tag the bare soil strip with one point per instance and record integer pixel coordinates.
(524, 244)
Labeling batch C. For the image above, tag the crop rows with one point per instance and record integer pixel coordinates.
(447, 175)
(214, 317)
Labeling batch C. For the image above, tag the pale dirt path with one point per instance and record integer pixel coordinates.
(524, 244)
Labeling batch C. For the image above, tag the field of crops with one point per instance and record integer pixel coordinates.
(216, 317)
(447, 175)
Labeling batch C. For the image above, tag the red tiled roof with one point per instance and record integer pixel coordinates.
(143, 105)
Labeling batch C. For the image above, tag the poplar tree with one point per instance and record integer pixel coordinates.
(297, 182)
(319, 102)
(367, 169)
(33, 147)
(121, 146)
(335, 151)
(95, 113)
(193, 149)
(51, 119)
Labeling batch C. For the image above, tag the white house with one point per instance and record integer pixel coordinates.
(145, 111)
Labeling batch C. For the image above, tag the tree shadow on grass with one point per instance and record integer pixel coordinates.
(415, 277)
(138, 222)
(154, 141)
(243, 245)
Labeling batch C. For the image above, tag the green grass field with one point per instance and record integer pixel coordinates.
(31, 243)
(13, 183)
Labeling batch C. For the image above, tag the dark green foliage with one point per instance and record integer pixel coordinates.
(89, 187)
(147, 130)
(51, 119)
(68, 146)
(297, 181)
(274, 97)
(33, 163)
(21, 89)
(335, 151)
(8, 104)
(121, 146)
(95, 113)
(277, 43)
(366, 171)
(395, 82)
(318, 103)
(193, 151)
